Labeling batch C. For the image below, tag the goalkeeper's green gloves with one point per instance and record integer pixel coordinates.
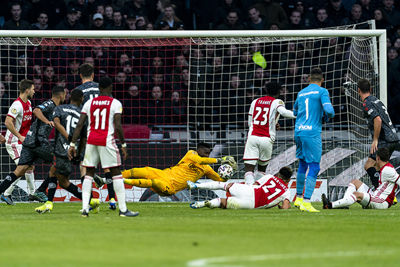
(228, 160)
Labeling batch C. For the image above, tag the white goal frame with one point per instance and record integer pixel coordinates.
(380, 34)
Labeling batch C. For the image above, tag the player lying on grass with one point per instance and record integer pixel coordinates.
(193, 166)
(265, 193)
(381, 198)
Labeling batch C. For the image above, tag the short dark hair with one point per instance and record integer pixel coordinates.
(286, 173)
(105, 82)
(202, 144)
(316, 75)
(383, 153)
(24, 85)
(364, 85)
(86, 70)
(57, 90)
(76, 95)
(273, 88)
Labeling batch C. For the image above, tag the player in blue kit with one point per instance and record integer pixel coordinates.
(312, 106)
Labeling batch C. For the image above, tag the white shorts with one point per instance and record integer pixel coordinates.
(258, 150)
(108, 156)
(14, 150)
(369, 201)
(242, 197)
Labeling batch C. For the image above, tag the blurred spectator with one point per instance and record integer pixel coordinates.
(396, 43)
(274, 27)
(256, 22)
(11, 84)
(274, 13)
(178, 108)
(391, 14)
(223, 11)
(367, 9)
(388, 43)
(355, 17)
(131, 23)
(306, 15)
(16, 23)
(295, 21)
(83, 11)
(149, 27)
(108, 15)
(170, 19)
(322, 20)
(134, 8)
(89, 60)
(134, 106)
(71, 21)
(42, 22)
(160, 7)
(157, 110)
(49, 80)
(232, 22)
(380, 20)
(73, 77)
(336, 12)
(39, 96)
(98, 22)
(100, 9)
(141, 23)
(117, 23)
(391, 55)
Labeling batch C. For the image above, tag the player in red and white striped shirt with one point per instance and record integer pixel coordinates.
(266, 193)
(381, 198)
(103, 114)
(263, 116)
(18, 122)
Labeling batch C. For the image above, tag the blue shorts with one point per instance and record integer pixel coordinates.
(308, 149)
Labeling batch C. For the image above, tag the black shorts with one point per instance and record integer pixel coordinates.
(63, 166)
(392, 146)
(30, 155)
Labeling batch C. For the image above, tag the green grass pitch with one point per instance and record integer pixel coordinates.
(172, 234)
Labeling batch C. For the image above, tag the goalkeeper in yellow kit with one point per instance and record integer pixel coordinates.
(193, 166)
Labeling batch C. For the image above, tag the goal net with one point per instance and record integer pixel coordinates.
(189, 87)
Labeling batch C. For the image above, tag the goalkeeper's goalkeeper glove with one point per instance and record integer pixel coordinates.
(228, 160)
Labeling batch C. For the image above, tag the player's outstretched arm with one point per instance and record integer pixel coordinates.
(120, 134)
(39, 114)
(228, 160)
(211, 174)
(285, 112)
(327, 105)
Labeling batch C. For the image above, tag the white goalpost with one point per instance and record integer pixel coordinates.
(225, 71)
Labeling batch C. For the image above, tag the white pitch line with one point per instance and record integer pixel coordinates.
(229, 261)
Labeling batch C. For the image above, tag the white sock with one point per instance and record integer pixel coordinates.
(212, 185)
(10, 189)
(346, 201)
(258, 175)
(215, 203)
(119, 189)
(86, 190)
(30, 180)
(249, 178)
(350, 190)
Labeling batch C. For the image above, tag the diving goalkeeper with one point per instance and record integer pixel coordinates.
(193, 166)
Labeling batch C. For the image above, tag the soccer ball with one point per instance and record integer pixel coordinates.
(225, 171)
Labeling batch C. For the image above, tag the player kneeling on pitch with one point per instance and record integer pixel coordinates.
(381, 198)
(265, 193)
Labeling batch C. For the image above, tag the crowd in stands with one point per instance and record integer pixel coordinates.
(153, 83)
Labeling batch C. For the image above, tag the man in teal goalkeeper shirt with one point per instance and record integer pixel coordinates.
(312, 106)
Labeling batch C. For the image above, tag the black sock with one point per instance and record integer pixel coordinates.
(44, 185)
(374, 175)
(8, 180)
(73, 189)
(110, 185)
(52, 188)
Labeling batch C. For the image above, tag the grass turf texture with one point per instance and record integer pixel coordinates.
(172, 234)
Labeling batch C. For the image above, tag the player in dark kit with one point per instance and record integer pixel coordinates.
(65, 119)
(381, 128)
(36, 144)
(90, 90)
